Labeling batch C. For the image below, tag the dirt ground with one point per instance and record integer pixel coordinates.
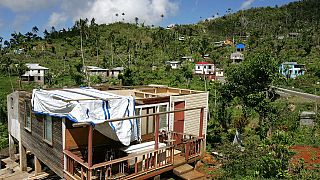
(307, 155)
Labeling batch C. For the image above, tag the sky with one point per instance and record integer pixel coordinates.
(22, 15)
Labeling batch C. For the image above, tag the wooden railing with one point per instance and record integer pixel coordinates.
(189, 145)
(130, 166)
(76, 168)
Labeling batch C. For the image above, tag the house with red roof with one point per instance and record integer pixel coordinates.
(205, 68)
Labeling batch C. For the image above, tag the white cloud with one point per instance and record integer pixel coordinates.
(247, 4)
(57, 19)
(104, 11)
(27, 5)
(19, 21)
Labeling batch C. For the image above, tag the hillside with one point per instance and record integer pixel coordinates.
(141, 48)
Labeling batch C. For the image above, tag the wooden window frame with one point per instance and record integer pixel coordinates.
(44, 131)
(149, 107)
(26, 113)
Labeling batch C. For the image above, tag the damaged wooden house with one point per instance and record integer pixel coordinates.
(108, 133)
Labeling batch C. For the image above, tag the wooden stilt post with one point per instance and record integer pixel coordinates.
(37, 165)
(201, 122)
(23, 157)
(12, 148)
(90, 150)
(202, 144)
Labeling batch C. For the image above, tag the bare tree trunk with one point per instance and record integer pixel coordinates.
(82, 56)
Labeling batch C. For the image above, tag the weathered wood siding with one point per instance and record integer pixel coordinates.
(192, 118)
(13, 115)
(78, 137)
(52, 156)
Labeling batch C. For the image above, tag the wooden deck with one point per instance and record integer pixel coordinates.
(143, 165)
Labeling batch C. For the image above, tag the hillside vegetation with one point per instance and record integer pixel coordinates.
(246, 103)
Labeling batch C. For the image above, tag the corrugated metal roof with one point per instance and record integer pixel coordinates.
(32, 66)
(203, 62)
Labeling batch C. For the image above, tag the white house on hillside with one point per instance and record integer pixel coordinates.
(174, 64)
(104, 73)
(237, 57)
(36, 73)
(204, 68)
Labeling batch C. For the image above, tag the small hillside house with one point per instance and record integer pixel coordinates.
(174, 64)
(108, 132)
(292, 69)
(236, 57)
(205, 69)
(35, 73)
(240, 47)
(103, 73)
(219, 75)
(187, 58)
(114, 72)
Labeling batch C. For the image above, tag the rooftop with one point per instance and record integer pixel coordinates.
(203, 62)
(118, 68)
(173, 62)
(291, 63)
(236, 53)
(32, 66)
(95, 68)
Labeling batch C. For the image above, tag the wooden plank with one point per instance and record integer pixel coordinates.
(37, 165)
(156, 132)
(23, 157)
(201, 122)
(90, 146)
(52, 156)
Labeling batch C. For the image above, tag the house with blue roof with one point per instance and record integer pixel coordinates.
(292, 69)
(240, 47)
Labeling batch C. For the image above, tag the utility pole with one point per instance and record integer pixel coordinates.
(215, 86)
(315, 93)
(204, 78)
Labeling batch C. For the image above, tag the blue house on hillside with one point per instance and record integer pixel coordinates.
(240, 47)
(292, 69)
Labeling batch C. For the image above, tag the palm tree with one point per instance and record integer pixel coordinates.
(82, 26)
(21, 68)
(35, 29)
(123, 16)
(162, 16)
(1, 38)
(117, 16)
(6, 43)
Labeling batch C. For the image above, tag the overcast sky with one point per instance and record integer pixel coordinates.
(22, 15)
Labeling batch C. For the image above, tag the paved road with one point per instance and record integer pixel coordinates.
(287, 92)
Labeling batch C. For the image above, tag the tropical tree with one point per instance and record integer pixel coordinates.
(1, 38)
(21, 68)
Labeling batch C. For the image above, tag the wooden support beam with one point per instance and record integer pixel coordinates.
(90, 146)
(37, 166)
(23, 157)
(90, 155)
(201, 122)
(156, 132)
(12, 147)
